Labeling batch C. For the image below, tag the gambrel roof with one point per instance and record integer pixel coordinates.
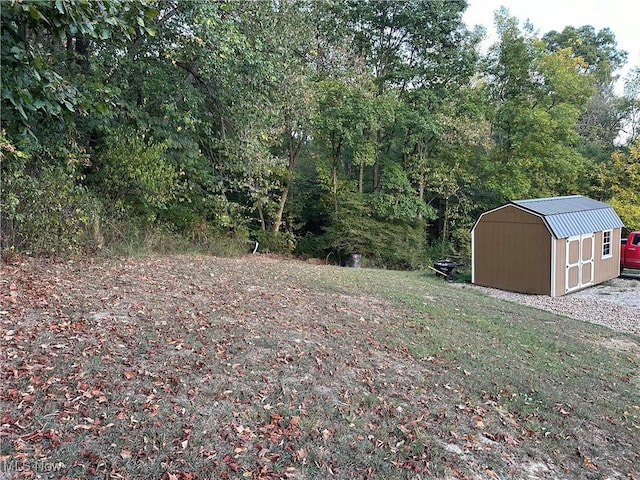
(572, 215)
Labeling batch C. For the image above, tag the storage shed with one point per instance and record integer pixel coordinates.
(546, 246)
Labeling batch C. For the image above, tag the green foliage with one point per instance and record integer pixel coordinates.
(598, 57)
(136, 175)
(619, 179)
(382, 242)
(45, 211)
(45, 54)
(598, 51)
(631, 106)
(539, 97)
(427, 40)
(311, 246)
(397, 200)
(355, 125)
(274, 242)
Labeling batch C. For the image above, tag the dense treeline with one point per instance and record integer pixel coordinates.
(320, 127)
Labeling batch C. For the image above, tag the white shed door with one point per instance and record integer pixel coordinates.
(579, 267)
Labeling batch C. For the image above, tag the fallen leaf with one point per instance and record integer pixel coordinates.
(587, 461)
(82, 427)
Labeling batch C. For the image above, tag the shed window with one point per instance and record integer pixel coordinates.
(606, 244)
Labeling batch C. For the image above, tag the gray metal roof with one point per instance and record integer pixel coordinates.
(572, 215)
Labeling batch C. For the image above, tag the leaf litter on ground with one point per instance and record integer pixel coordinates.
(263, 367)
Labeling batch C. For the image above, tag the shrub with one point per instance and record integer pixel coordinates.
(132, 237)
(46, 210)
(135, 174)
(382, 243)
(311, 246)
(270, 242)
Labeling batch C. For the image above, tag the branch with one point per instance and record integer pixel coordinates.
(187, 67)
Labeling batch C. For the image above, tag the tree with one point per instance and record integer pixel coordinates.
(538, 98)
(406, 46)
(252, 62)
(598, 50)
(599, 58)
(631, 124)
(52, 99)
(619, 179)
(46, 50)
(337, 126)
(289, 35)
(368, 121)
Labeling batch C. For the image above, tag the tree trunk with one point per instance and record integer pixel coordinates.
(421, 194)
(445, 226)
(294, 150)
(82, 53)
(334, 174)
(376, 177)
(261, 216)
(277, 223)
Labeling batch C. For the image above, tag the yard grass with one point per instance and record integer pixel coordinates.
(194, 367)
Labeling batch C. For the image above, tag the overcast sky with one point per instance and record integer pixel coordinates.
(622, 17)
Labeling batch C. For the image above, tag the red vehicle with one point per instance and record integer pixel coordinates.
(630, 251)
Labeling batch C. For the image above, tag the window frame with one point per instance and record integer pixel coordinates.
(607, 243)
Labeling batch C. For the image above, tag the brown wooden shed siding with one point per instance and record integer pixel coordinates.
(607, 268)
(512, 251)
(604, 268)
